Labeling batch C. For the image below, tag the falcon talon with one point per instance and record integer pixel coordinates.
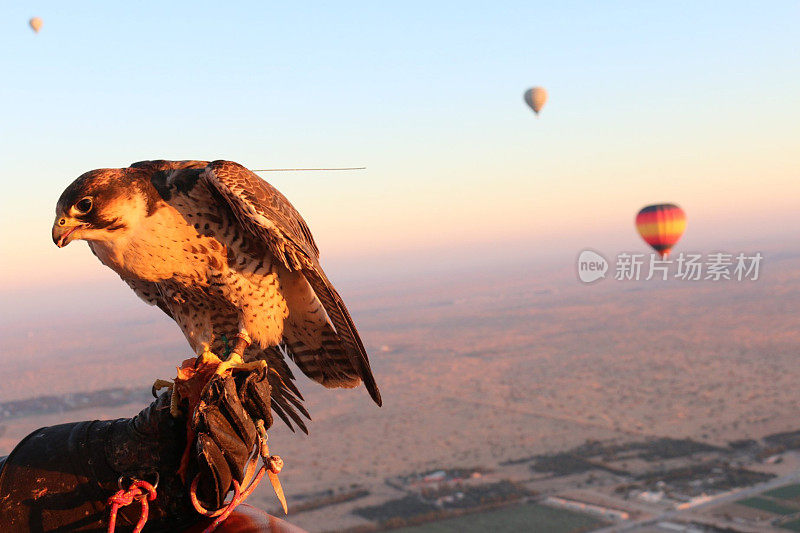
(235, 363)
(174, 408)
(161, 384)
(207, 358)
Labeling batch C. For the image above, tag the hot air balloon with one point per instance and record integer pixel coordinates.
(535, 97)
(36, 24)
(661, 226)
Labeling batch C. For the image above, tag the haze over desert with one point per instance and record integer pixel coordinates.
(477, 369)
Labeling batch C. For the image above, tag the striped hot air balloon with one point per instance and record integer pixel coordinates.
(661, 226)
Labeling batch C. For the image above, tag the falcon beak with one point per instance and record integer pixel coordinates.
(62, 232)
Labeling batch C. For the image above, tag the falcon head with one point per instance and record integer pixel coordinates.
(101, 205)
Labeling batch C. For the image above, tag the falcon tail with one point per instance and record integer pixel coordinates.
(346, 332)
(287, 402)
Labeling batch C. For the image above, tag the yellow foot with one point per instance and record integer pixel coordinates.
(235, 362)
(159, 384)
(207, 358)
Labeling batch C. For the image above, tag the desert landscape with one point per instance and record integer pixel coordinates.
(480, 369)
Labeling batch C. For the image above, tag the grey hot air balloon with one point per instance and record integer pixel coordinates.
(535, 97)
(36, 24)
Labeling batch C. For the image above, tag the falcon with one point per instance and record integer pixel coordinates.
(226, 256)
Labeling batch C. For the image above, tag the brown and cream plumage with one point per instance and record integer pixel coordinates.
(224, 254)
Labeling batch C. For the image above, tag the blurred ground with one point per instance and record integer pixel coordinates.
(475, 368)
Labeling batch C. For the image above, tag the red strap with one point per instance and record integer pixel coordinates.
(271, 466)
(139, 490)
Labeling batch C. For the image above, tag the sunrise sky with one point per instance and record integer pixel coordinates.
(688, 102)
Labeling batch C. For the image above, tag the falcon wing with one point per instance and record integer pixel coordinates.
(268, 215)
(264, 212)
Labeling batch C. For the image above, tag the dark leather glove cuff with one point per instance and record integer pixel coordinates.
(61, 477)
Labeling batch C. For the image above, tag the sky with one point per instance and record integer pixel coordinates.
(687, 102)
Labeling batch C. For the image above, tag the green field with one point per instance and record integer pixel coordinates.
(788, 492)
(770, 506)
(530, 517)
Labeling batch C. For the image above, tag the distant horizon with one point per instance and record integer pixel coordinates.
(89, 283)
(76, 264)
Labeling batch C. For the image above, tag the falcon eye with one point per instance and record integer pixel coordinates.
(84, 205)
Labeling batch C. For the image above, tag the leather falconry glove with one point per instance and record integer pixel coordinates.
(225, 424)
(62, 477)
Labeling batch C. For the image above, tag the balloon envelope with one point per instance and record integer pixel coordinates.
(535, 97)
(36, 24)
(661, 226)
